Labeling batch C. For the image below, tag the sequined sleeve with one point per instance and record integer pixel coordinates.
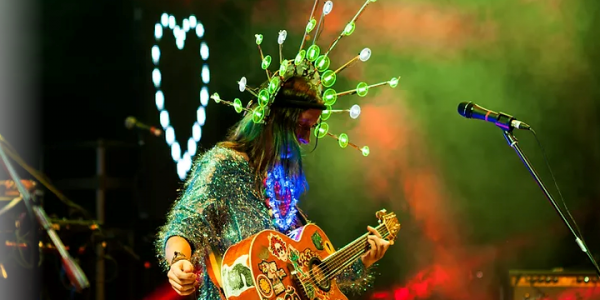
(194, 214)
(356, 279)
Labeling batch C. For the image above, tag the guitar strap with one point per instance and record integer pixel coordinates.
(302, 216)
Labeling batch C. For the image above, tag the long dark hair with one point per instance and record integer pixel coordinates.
(275, 143)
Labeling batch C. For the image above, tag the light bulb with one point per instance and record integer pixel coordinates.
(365, 54)
(193, 21)
(158, 31)
(282, 37)
(242, 84)
(155, 53)
(354, 111)
(327, 7)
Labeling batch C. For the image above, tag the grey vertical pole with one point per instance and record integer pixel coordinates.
(100, 206)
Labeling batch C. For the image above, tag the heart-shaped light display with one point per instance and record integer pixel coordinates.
(191, 26)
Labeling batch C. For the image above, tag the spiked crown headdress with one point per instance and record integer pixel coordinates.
(313, 66)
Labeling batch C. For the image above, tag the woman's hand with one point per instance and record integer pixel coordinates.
(378, 248)
(182, 277)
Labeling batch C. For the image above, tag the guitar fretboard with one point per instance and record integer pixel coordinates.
(346, 256)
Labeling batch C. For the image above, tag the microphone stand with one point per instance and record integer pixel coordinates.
(74, 272)
(513, 143)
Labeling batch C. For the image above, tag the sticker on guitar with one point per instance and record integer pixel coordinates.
(302, 258)
(278, 247)
(291, 294)
(238, 277)
(264, 286)
(275, 275)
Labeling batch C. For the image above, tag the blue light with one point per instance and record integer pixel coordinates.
(283, 193)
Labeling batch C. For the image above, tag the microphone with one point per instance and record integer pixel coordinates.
(131, 122)
(470, 110)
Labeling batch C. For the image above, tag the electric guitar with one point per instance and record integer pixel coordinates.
(299, 266)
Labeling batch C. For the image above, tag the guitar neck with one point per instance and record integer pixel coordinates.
(347, 255)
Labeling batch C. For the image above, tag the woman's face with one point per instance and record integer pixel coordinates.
(308, 120)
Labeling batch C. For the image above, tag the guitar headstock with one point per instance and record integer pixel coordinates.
(390, 221)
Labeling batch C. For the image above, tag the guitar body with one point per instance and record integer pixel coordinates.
(271, 265)
(299, 266)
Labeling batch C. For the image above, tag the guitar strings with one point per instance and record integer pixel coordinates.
(327, 264)
(339, 263)
(334, 265)
(354, 246)
(348, 258)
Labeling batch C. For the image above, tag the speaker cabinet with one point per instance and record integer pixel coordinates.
(554, 285)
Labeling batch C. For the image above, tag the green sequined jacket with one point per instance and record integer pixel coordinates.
(219, 207)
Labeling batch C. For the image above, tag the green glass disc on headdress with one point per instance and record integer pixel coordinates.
(313, 52)
(394, 82)
(329, 96)
(343, 140)
(283, 67)
(322, 130)
(362, 89)
(216, 97)
(365, 151)
(237, 104)
(311, 25)
(328, 78)
(266, 62)
(259, 38)
(258, 115)
(322, 63)
(300, 57)
(326, 113)
(350, 28)
(263, 98)
(274, 85)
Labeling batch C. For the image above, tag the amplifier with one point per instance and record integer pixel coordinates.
(554, 285)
